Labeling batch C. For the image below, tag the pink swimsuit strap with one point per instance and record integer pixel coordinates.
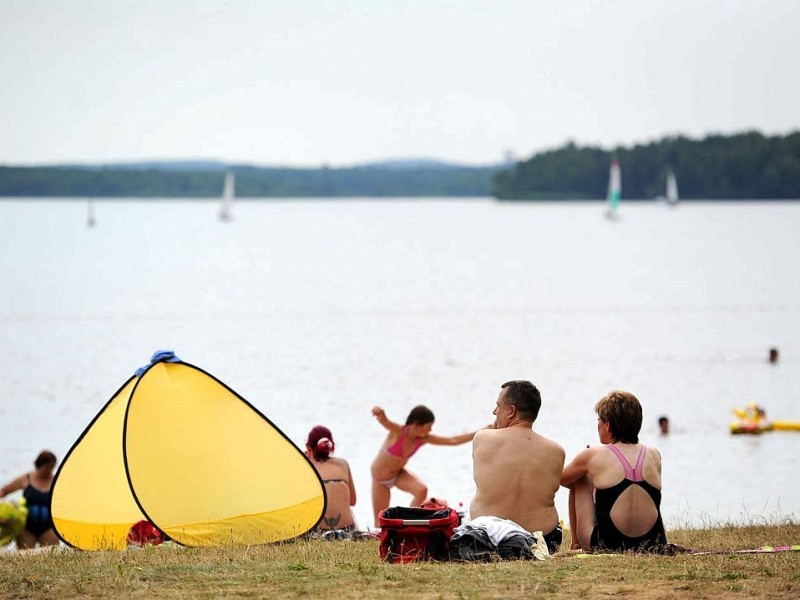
(396, 449)
(632, 473)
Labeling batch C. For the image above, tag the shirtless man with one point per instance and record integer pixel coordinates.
(517, 472)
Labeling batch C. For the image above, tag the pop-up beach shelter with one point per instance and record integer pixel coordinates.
(178, 448)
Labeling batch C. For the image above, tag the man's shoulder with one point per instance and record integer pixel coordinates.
(488, 437)
(484, 434)
(511, 435)
(547, 447)
(551, 443)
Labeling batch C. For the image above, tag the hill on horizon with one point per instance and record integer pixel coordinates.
(194, 165)
(204, 179)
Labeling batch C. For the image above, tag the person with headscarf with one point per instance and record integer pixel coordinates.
(338, 481)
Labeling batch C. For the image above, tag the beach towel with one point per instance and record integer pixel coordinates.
(491, 538)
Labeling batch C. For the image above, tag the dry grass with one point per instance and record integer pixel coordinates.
(313, 569)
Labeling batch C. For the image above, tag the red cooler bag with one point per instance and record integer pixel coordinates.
(409, 534)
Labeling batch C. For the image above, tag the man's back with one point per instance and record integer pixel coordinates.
(517, 473)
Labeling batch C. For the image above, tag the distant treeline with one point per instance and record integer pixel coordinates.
(250, 182)
(742, 166)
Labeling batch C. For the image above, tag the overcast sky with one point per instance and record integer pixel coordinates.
(310, 82)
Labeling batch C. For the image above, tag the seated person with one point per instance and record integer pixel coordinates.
(516, 470)
(615, 488)
(335, 475)
(35, 488)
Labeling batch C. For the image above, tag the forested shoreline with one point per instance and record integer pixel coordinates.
(735, 167)
(253, 182)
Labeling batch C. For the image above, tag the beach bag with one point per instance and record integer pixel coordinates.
(143, 533)
(410, 534)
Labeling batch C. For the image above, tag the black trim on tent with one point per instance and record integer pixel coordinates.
(75, 445)
(125, 456)
(253, 408)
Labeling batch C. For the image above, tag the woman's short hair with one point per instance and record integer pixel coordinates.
(623, 413)
(45, 458)
(320, 442)
(420, 415)
(525, 397)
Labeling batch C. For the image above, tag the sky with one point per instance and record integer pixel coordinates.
(344, 82)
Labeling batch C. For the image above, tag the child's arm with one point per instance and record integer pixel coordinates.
(453, 440)
(380, 414)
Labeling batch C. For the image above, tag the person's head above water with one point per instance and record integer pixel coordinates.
(320, 443)
(663, 424)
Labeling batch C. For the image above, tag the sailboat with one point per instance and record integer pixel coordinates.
(672, 189)
(614, 189)
(90, 219)
(228, 193)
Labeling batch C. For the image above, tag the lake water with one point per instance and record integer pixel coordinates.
(316, 310)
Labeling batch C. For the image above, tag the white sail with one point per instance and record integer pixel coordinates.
(90, 218)
(672, 188)
(228, 193)
(614, 189)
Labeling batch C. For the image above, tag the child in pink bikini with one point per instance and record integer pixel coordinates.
(402, 441)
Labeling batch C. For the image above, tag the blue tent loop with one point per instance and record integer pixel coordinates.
(158, 356)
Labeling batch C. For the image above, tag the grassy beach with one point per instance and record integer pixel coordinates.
(352, 569)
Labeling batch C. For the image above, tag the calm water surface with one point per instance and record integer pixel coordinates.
(317, 310)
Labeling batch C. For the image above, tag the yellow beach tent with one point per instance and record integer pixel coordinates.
(177, 447)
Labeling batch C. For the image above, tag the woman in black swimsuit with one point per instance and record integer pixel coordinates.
(36, 491)
(615, 488)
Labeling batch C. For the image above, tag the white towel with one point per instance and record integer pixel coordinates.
(496, 528)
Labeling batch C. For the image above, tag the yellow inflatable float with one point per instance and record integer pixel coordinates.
(13, 514)
(753, 419)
